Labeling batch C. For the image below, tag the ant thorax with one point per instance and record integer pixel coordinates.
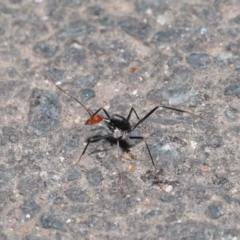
(117, 133)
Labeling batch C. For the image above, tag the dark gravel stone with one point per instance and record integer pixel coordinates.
(8, 10)
(197, 193)
(157, 7)
(74, 55)
(73, 174)
(3, 236)
(111, 226)
(94, 176)
(181, 73)
(171, 218)
(89, 81)
(174, 60)
(15, 1)
(5, 176)
(56, 73)
(231, 114)
(2, 31)
(165, 154)
(165, 36)
(3, 140)
(11, 72)
(30, 207)
(11, 134)
(48, 221)
(45, 50)
(135, 28)
(236, 19)
(74, 29)
(151, 214)
(231, 234)
(220, 63)
(93, 220)
(86, 94)
(222, 181)
(215, 211)
(83, 232)
(76, 195)
(44, 112)
(175, 94)
(198, 60)
(7, 88)
(94, 10)
(27, 187)
(167, 198)
(232, 90)
(215, 141)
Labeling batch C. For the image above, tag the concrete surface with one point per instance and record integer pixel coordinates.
(118, 55)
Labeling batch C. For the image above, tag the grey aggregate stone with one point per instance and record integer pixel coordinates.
(167, 198)
(93, 220)
(73, 174)
(44, 112)
(2, 31)
(215, 211)
(111, 226)
(171, 218)
(158, 7)
(74, 55)
(215, 141)
(135, 28)
(45, 50)
(90, 81)
(175, 60)
(15, 1)
(28, 187)
(49, 221)
(232, 90)
(175, 94)
(11, 134)
(152, 213)
(7, 88)
(3, 236)
(236, 19)
(165, 154)
(199, 60)
(166, 36)
(231, 114)
(95, 10)
(78, 28)
(87, 94)
(30, 207)
(94, 176)
(181, 73)
(75, 194)
(11, 71)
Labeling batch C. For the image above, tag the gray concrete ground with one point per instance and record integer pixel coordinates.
(118, 55)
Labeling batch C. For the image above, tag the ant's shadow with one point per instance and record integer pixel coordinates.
(124, 144)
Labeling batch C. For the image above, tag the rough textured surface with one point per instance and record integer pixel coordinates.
(118, 55)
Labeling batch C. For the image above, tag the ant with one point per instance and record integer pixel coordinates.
(119, 127)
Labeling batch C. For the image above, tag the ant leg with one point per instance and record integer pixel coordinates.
(140, 137)
(181, 110)
(91, 140)
(121, 169)
(105, 111)
(144, 118)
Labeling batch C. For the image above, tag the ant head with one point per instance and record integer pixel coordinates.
(94, 120)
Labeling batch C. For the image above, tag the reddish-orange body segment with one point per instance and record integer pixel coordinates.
(94, 120)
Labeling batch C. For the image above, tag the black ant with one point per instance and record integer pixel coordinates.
(119, 127)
